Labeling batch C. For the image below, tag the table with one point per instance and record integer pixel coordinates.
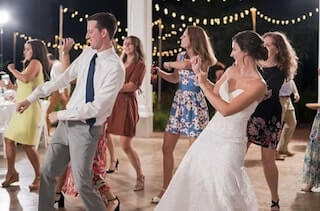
(6, 110)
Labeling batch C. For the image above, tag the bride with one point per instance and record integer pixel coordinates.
(212, 176)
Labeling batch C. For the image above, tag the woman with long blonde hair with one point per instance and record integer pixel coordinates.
(189, 112)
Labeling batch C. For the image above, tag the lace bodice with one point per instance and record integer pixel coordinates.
(233, 126)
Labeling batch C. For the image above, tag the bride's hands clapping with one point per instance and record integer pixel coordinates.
(197, 68)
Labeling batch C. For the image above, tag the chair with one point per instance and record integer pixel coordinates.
(42, 126)
(6, 110)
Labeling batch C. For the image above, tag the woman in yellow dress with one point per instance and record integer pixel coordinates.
(22, 128)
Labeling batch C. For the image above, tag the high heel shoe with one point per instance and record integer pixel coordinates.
(275, 205)
(156, 199)
(35, 186)
(140, 184)
(59, 199)
(115, 199)
(307, 188)
(10, 179)
(110, 171)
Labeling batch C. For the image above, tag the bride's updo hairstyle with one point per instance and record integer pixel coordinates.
(252, 43)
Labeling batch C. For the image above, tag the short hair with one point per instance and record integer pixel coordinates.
(105, 20)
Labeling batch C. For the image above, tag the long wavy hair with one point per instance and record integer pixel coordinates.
(39, 52)
(201, 45)
(138, 50)
(286, 58)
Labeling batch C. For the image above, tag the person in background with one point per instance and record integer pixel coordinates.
(311, 164)
(218, 70)
(125, 116)
(22, 128)
(264, 126)
(189, 111)
(61, 96)
(288, 117)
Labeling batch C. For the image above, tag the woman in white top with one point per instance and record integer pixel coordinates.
(288, 117)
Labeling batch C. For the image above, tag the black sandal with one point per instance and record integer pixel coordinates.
(60, 201)
(275, 204)
(118, 206)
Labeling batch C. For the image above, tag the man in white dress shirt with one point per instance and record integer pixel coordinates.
(100, 75)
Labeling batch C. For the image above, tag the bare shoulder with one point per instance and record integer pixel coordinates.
(230, 70)
(258, 88)
(257, 83)
(35, 62)
(34, 65)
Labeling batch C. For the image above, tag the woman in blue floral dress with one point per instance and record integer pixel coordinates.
(311, 165)
(264, 126)
(189, 112)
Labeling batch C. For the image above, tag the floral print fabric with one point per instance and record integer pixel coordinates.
(264, 126)
(189, 111)
(98, 168)
(311, 166)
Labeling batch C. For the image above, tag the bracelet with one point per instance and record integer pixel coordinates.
(205, 88)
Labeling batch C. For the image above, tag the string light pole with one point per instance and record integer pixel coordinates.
(14, 50)
(159, 61)
(319, 58)
(4, 18)
(60, 30)
(254, 18)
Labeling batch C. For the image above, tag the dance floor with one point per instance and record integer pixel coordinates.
(17, 197)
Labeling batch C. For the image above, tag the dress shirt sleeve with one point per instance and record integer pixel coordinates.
(61, 81)
(104, 97)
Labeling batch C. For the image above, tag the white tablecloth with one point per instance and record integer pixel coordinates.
(6, 110)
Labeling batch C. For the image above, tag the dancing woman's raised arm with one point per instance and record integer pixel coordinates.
(254, 92)
(172, 77)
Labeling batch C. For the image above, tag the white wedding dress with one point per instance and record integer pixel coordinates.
(212, 176)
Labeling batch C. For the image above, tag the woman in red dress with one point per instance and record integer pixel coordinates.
(125, 115)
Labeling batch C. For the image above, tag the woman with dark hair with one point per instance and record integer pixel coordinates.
(211, 176)
(189, 111)
(22, 128)
(124, 117)
(264, 127)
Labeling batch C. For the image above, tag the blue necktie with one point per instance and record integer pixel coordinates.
(90, 88)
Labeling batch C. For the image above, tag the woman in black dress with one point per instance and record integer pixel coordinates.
(264, 126)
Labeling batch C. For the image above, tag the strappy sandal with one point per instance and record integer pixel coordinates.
(140, 184)
(275, 205)
(156, 199)
(115, 199)
(10, 179)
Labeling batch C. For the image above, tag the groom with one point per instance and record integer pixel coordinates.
(100, 75)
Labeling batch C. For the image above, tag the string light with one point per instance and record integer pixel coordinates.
(283, 22)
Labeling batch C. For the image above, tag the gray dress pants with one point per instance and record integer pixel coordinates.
(76, 142)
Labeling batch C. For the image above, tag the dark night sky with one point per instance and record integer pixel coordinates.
(39, 19)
